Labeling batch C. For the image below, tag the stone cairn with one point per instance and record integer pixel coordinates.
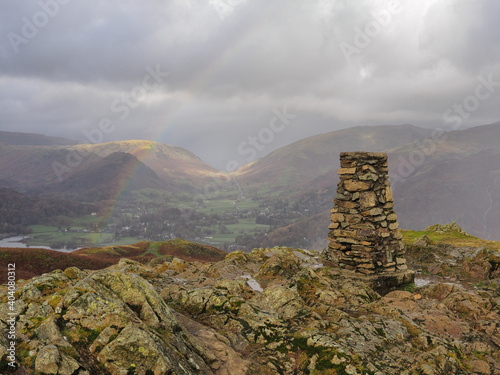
(364, 236)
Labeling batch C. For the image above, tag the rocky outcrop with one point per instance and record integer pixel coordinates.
(272, 311)
(445, 228)
(111, 321)
(303, 318)
(463, 264)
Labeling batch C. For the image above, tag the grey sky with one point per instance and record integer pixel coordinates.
(272, 70)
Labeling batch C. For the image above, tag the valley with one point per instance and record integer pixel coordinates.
(176, 257)
(226, 223)
(129, 191)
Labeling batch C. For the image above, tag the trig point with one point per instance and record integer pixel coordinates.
(364, 240)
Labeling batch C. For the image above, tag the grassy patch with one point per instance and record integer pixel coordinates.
(153, 249)
(410, 287)
(452, 237)
(44, 235)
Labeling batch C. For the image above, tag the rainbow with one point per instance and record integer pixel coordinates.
(196, 85)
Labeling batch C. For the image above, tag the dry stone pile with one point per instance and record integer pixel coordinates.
(364, 236)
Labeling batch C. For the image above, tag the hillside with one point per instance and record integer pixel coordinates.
(463, 167)
(293, 167)
(308, 233)
(28, 167)
(453, 145)
(171, 163)
(31, 139)
(17, 211)
(466, 189)
(459, 180)
(105, 179)
(35, 262)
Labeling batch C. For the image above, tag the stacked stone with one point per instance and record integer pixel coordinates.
(364, 235)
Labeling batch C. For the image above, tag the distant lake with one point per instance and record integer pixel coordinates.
(15, 242)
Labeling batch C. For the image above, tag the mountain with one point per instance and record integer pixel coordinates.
(27, 167)
(35, 168)
(435, 178)
(416, 157)
(455, 176)
(104, 179)
(171, 163)
(31, 139)
(462, 188)
(293, 167)
(457, 143)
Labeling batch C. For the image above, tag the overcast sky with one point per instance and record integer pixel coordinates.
(225, 77)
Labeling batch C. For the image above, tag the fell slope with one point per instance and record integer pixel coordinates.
(19, 210)
(32, 139)
(455, 178)
(26, 167)
(466, 189)
(104, 179)
(293, 167)
(35, 262)
(169, 162)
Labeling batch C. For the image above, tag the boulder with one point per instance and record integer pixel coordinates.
(47, 360)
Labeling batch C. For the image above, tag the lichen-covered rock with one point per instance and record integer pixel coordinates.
(108, 322)
(74, 273)
(282, 302)
(273, 311)
(69, 366)
(279, 266)
(48, 332)
(47, 360)
(423, 241)
(136, 348)
(444, 228)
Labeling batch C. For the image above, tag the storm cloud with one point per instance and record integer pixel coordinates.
(230, 76)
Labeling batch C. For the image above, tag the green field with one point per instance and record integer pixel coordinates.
(89, 230)
(148, 195)
(247, 226)
(218, 206)
(83, 220)
(44, 235)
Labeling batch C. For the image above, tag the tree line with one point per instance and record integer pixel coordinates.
(18, 211)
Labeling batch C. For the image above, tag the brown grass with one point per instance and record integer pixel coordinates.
(33, 262)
